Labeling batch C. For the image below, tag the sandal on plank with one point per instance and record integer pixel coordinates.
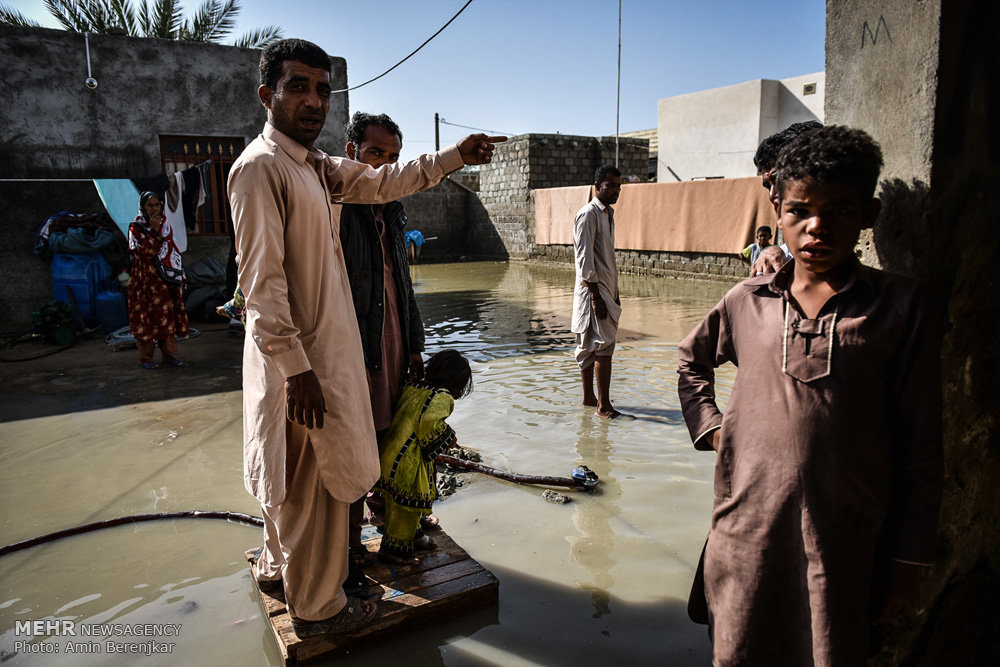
(424, 543)
(356, 614)
(149, 365)
(360, 557)
(269, 586)
(175, 363)
(393, 559)
(430, 522)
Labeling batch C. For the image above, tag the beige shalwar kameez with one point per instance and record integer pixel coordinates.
(300, 317)
(594, 246)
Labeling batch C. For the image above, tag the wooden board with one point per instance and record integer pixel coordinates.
(446, 583)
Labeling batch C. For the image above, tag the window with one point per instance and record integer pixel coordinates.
(180, 153)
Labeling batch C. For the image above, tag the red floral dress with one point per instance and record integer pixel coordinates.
(155, 310)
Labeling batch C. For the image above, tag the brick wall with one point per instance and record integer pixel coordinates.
(531, 161)
(451, 215)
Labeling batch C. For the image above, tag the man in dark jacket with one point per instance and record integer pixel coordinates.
(392, 334)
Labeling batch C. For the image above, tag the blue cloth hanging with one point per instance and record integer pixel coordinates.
(121, 198)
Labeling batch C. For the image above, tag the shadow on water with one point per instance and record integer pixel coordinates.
(672, 417)
(89, 376)
(540, 622)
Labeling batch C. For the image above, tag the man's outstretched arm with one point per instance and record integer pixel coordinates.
(353, 182)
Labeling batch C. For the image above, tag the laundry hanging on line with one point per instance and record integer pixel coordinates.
(186, 191)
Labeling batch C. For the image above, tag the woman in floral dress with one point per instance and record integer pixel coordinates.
(156, 314)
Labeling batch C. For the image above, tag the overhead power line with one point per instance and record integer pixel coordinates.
(468, 127)
(344, 90)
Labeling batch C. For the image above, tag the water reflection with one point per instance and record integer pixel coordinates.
(592, 548)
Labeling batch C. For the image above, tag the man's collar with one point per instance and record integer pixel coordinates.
(295, 150)
(598, 203)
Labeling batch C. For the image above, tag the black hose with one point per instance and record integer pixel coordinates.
(238, 517)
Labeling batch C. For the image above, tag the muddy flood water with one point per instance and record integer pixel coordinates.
(602, 580)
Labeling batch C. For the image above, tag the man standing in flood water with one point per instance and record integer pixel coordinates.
(596, 303)
(309, 443)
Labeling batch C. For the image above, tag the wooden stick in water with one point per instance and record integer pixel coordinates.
(518, 478)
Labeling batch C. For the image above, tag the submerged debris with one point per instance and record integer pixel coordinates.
(449, 479)
(447, 483)
(556, 497)
(465, 453)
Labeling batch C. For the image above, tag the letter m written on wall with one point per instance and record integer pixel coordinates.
(178, 153)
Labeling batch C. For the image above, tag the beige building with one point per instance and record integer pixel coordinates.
(714, 133)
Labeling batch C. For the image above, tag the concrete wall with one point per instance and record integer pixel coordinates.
(452, 213)
(714, 133)
(530, 161)
(921, 77)
(53, 127)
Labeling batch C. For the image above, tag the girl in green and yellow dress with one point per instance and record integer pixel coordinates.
(418, 434)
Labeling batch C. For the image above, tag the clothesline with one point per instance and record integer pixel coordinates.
(67, 180)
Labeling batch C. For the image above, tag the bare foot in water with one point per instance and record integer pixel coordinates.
(607, 413)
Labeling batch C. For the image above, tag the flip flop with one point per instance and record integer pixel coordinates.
(353, 616)
(149, 365)
(399, 561)
(360, 556)
(430, 522)
(424, 543)
(175, 363)
(270, 586)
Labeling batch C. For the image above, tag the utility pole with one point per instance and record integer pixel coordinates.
(618, 100)
(437, 133)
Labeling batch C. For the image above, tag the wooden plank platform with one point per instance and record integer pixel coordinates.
(446, 583)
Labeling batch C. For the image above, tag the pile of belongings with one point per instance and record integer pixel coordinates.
(82, 233)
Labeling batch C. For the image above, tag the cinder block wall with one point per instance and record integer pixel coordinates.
(692, 265)
(531, 161)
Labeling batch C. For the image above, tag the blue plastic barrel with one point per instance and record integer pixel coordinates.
(85, 275)
(111, 310)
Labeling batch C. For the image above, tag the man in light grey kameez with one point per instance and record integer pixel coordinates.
(596, 303)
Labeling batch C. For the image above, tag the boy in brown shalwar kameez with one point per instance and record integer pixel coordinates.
(810, 518)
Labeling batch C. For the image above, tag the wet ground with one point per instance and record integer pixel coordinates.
(85, 435)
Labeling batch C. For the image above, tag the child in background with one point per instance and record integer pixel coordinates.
(822, 525)
(236, 310)
(418, 434)
(752, 251)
